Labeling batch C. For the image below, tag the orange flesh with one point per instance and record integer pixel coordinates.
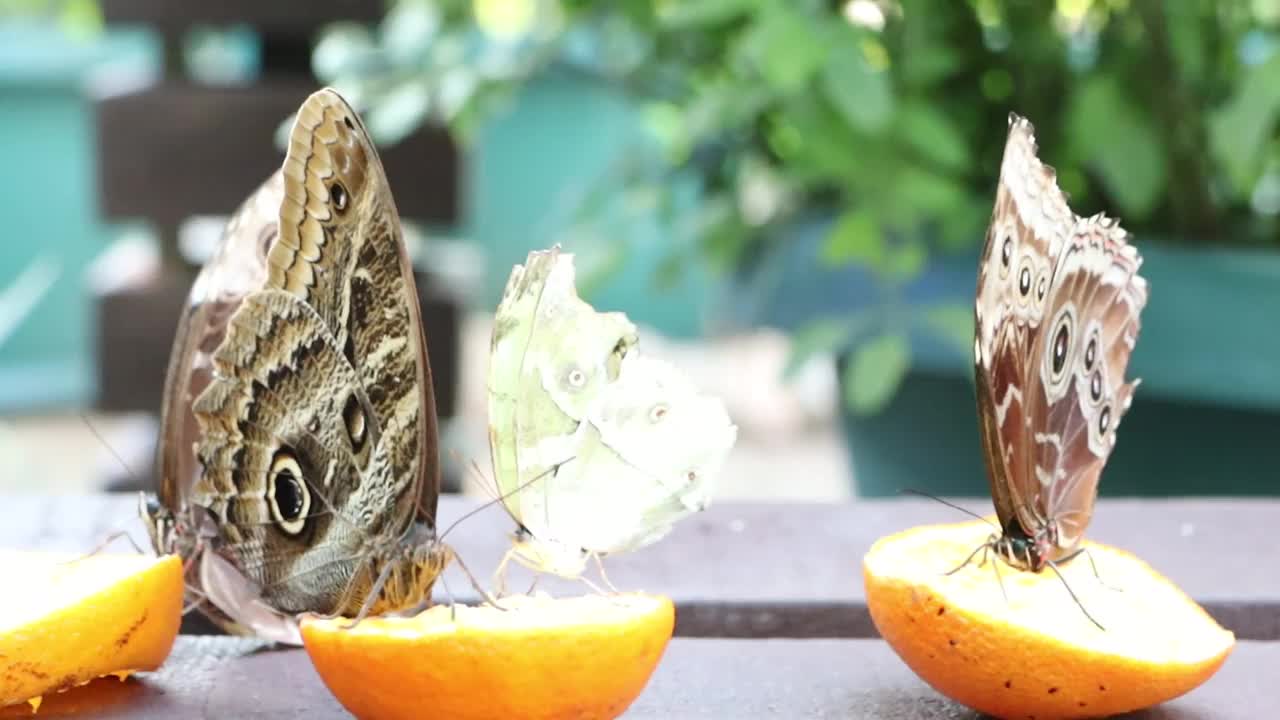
(73, 618)
(1038, 654)
(582, 657)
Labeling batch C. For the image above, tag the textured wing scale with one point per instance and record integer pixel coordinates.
(340, 250)
(246, 422)
(1078, 365)
(1040, 406)
(1027, 232)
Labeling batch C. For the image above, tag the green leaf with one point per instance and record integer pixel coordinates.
(905, 260)
(786, 47)
(928, 192)
(685, 15)
(1120, 143)
(824, 335)
(930, 132)
(856, 238)
(861, 94)
(398, 113)
(952, 323)
(343, 49)
(875, 371)
(1240, 130)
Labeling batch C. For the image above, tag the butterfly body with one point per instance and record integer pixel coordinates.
(597, 448)
(299, 467)
(1056, 319)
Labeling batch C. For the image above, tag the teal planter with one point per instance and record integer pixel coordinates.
(1206, 420)
(529, 170)
(50, 200)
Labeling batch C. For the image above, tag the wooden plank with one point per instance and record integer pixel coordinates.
(794, 570)
(302, 18)
(175, 150)
(744, 679)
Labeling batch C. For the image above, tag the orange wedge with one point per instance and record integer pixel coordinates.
(541, 658)
(68, 619)
(1037, 654)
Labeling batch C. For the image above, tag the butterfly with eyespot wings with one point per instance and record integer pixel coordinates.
(1057, 317)
(299, 460)
(597, 448)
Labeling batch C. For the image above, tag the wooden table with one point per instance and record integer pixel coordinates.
(772, 621)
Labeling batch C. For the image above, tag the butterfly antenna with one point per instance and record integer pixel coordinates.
(948, 503)
(550, 471)
(482, 480)
(475, 584)
(93, 429)
(1054, 566)
(995, 565)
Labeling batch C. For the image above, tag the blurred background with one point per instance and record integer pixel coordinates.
(788, 195)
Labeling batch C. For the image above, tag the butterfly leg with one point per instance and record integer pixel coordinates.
(995, 565)
(500, 575)
(980, 549)
(1093, 565)
(372, 597)
(604, 575)
(475, 584)
(1054, 566)
(199, 598)
(103, 546)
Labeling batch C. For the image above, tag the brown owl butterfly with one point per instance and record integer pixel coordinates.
(299, 465)
(1057, 316)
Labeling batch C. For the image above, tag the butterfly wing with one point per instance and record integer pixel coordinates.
(551, 355)
(1078, 391)
(670, 440)
(238, 267)
(1029, 228)
(568, 384)
(342, 251)
(317, 432)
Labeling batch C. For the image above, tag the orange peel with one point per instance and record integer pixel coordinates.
(540, 658)
(1037, 654)
(70, 619)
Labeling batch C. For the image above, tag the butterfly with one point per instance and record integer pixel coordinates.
(1057, 316)
(597, 448)
(299, 454)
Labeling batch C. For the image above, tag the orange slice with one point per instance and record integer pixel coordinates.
(67, 619)
(541, 658)
(1037, 654)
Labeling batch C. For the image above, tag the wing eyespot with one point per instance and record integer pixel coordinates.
(657, 412)
(1104, 420)
(577, 379)
(354, 420)
(1061, 343)
(346, 120)
(1091, 353)
(1095, 386)
(1006, 251)
(1024, 281)
(287, 496)
(339, 198)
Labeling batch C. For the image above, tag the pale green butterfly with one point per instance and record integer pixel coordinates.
(597, 448)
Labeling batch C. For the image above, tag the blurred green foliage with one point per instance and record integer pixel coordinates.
(76, 17)
(887, 115)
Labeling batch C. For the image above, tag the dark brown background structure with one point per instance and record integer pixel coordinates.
(178, 149)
